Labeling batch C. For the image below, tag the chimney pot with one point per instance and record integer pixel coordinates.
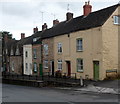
(69, 16)
(22, 35)
(35, 30)
(44, 27)
(55, 22)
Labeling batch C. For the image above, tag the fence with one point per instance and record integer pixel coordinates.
(46, 78)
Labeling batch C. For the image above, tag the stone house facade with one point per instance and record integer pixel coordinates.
(48, 55)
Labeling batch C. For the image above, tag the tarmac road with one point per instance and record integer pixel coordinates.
(15, 93)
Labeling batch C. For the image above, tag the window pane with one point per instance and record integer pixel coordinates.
(79, 45)
(79, 64)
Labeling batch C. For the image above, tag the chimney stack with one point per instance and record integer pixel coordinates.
(87, 8)
(22, 35)
(5, 37)
(69, 16)
(44, 27)
(55, 22)
(35, 30)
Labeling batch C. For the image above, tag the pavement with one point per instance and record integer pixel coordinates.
(105, 87)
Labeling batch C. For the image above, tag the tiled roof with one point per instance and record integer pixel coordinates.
(94, 19)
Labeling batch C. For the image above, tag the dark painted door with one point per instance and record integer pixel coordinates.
(96, 70)
(41, 70)
(52, 68)
(69, 68)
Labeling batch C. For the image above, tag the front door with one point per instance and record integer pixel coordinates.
(96, 70)
(69, 68)
(41, 70)
(52, 67)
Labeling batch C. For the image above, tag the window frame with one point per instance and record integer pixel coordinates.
(26, 54)
(34, 53)
(46, 64)
(59, 48)
(116, 20)
(81, 66)
(45, 49)
(79, 45)
(35, 69)
(59, 66)
(26, 66)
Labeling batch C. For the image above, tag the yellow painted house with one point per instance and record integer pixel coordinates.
(89, 47)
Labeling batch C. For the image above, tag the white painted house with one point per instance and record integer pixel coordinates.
(27, 59)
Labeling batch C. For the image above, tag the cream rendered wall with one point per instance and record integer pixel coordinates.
(92, 50)
(110, 44)
(28, 59)
(119, 44)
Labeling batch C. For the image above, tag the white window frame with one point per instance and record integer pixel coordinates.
(17, 51)
(46, 49)
(13, 66)
(26, 66)
(26, 53)
(80, 64)
(116, 19)
(35, 67)
(46, 64)
(12, 52)
(35, 53)
(59, 64)
(79, 44)
(60, 48)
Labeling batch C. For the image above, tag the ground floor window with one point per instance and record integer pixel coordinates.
(46, 64)
(79, 65)
(59, 64)
(26, 67)
(35, 67)
(12, 66)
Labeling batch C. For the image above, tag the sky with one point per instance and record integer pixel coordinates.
(21, 16)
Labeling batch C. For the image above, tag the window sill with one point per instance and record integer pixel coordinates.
(79, 50)
(80, 71)
(45, 67)
(60, 53)
(116, 24)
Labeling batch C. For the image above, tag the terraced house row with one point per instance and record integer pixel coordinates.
(86, 45)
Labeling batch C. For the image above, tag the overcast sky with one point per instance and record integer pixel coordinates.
(21, 16)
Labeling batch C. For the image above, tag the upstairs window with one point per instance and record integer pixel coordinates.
(79, 44)
(116, 19)
(46, 49)
(34, 53)
(59, 47)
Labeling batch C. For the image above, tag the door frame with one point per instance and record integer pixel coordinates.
(52, 67)
(96, 69)
(68, 68)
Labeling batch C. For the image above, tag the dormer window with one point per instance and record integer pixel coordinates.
(116, 19)
(6, 51)
(35, 39)
(11, 52)
(17, 51)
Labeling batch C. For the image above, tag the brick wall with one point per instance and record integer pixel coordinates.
(37, 59)
(17, 60)
(50, 56)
